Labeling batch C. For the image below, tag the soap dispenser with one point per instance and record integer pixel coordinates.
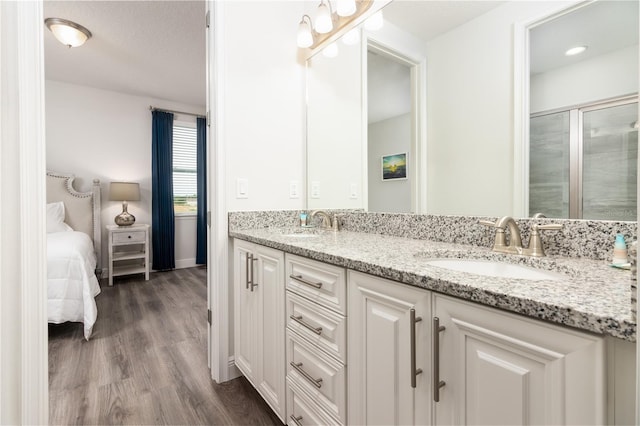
(619, 251)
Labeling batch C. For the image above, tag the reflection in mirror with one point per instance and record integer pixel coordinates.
(389, 134)
(476, 160)
(583, 135)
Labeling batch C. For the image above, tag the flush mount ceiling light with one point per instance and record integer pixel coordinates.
(67, 32)
(312, 33)
(575, 50)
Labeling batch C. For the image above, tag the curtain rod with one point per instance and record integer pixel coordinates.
(151, 108)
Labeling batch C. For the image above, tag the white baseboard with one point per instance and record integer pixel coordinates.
(185, 263)
(233, 370)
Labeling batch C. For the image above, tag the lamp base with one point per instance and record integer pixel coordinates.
(125, 218)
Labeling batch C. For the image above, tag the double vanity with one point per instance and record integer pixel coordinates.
(414, 319)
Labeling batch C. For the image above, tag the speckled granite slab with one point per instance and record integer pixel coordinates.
(591, 239)
(590, 295)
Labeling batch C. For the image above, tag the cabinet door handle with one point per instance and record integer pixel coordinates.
(246, 269)
(298, 319)
(437, 383)
(296, 420)
(413, 320)
(252, 283)
(302, 280)
(298, 367)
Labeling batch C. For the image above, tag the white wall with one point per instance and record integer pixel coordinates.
(470, 78)
(390, 136)
(606, 76)
(335, 132)
(263, 104)
(101, 134)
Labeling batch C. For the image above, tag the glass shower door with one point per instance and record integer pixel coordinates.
(610, 162)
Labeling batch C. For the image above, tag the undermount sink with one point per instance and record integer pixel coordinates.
(496, 269)
(303, 232)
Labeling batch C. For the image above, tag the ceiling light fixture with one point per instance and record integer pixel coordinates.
(575, 50)
(67, 32)
(313, 32)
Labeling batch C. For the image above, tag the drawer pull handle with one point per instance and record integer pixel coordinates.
(413, 320)
(296, 420)
(437, 383)
(298, 319)
(298, 367)
(302, 280)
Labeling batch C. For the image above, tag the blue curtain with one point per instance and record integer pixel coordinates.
(201, 238)
(162, 226)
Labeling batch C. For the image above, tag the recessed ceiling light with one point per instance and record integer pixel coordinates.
(575, 50)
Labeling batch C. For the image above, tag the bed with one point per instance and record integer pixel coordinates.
(74, 249)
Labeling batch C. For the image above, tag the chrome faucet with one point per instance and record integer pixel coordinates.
(535, 249)
(327, 223)
(326, 219)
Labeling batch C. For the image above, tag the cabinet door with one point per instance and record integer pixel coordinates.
(245, 312)
(380, 352)
(269, 286)
(500, 368)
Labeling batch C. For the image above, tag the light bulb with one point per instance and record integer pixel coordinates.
(375, 21)
(305, 39)
(331, 51)
(346, 7)
(352, 37)
(324, 23)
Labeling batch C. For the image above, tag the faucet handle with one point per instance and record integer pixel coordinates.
(536, 249)
(335, 223)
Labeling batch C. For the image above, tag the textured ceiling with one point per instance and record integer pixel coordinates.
(145, 48)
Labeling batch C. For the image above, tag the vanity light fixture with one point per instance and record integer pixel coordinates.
(67, 32)
(575, 50)
(313, 32)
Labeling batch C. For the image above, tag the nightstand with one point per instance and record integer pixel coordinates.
(128, 250)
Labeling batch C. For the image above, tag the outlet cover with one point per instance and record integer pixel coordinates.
(293, 189)
(315, 189)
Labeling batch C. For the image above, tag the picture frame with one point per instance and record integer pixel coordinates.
(394, 167)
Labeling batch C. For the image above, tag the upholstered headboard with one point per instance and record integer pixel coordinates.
(82, 209)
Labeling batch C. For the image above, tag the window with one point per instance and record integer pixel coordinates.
(185, 198)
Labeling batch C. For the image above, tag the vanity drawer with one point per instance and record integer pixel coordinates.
(322, 326)
(303, 410)
(322, 283)
(129, 237)
(321, 377)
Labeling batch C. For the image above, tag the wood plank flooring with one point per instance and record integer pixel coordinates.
(146, 362)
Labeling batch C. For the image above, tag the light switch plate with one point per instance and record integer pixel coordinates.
(242, 188)
(315, 189)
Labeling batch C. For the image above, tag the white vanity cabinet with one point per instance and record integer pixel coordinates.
(259, 322)
(316, 342)
(388, 354)
(501, 368)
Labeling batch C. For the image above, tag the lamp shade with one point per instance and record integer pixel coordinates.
(124, 191)
(67, 32)
(324, 21)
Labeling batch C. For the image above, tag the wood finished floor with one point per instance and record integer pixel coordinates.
(146, 362)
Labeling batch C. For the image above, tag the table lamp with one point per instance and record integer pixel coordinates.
(125, 192)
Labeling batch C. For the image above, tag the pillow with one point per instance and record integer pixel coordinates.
(55, 218)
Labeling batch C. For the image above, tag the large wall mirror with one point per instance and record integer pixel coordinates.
(453, 64)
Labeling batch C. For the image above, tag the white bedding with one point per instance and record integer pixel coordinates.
(71, 280)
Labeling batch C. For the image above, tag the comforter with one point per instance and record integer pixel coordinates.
(71, 280)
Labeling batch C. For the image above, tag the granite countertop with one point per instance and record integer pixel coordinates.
(590, 295)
